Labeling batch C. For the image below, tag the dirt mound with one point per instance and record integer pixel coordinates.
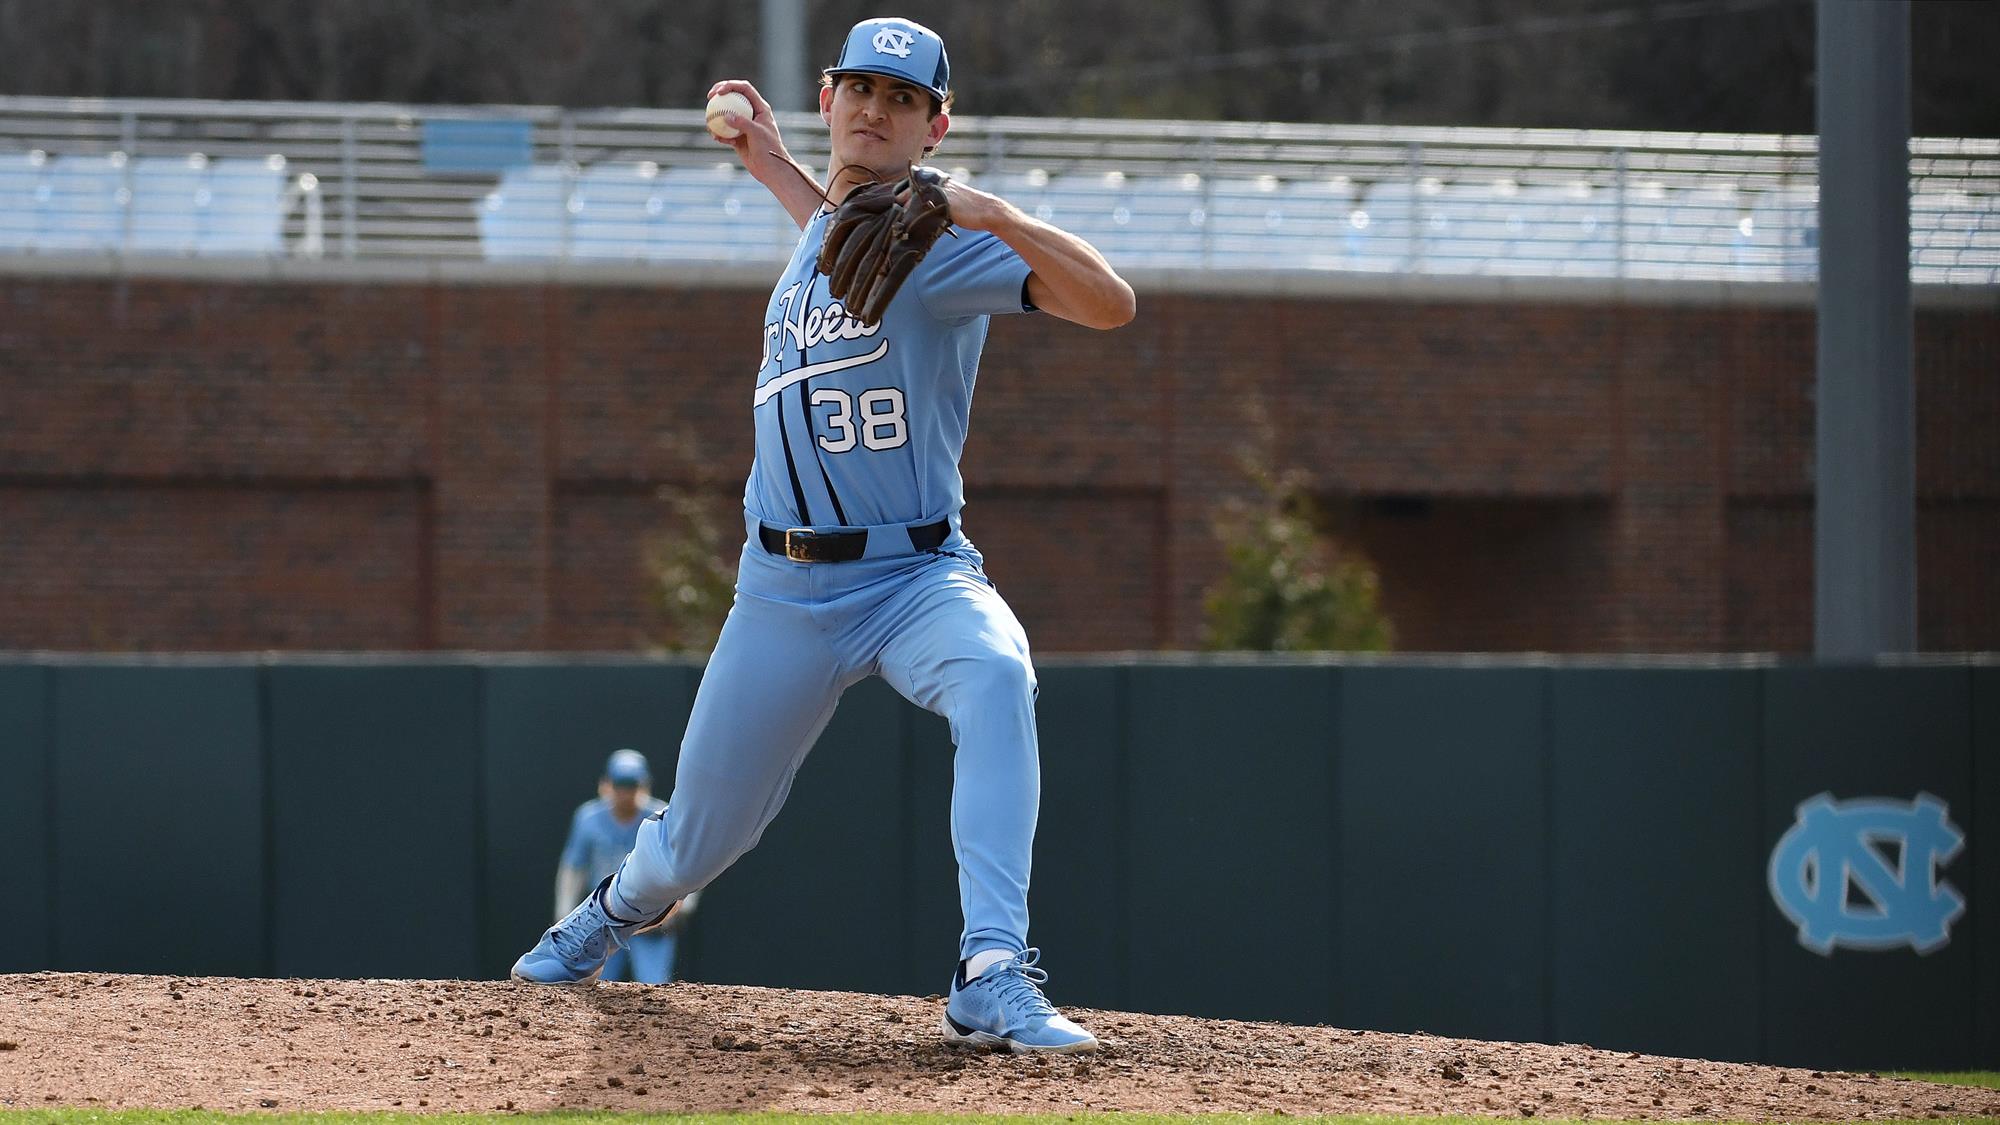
(127, 1041)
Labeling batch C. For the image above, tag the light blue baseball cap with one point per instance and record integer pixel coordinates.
(628, 767)
(899, 48)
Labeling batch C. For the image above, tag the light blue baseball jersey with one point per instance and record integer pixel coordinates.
(860, 426)
(597, 842)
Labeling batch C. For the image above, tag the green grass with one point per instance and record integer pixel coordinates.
(1987, 1078)
(204, 1117)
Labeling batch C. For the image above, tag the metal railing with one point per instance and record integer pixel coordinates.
(536, 183)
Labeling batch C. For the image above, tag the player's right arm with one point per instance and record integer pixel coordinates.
(765, 157)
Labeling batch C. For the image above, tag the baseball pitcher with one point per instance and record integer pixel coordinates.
(855, 562)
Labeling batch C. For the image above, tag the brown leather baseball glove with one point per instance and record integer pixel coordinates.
(877, 235)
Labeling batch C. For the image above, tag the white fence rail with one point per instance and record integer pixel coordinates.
(504, 183)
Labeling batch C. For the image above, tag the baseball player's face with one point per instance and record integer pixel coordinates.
(879, 122)
(624, 799)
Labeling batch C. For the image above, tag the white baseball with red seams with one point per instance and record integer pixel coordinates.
(727, 102)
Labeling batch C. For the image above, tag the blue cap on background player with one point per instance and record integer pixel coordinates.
(627, 767)
(898, 48)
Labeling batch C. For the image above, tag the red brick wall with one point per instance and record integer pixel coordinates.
(1475, 575)
(338, 465)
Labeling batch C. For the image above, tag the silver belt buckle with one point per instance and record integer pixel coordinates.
(796, 539)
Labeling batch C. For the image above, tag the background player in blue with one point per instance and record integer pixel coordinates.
(855, 563)
(601, 834)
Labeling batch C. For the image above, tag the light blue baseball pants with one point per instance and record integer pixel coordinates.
(798, 636)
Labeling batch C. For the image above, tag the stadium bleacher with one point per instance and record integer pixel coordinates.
(526, 217)
(1164, 225)
(618, 212)
(22, 198)
(645, 186)
(1246, 227)
(243, 210)
(169, 195)
(1319, 214)
(1399, 220)
(719, 214)
(1563, 230)
(1090, 204)
(1789, 219)
(151, 205)
(1028, 189)
(85, 208)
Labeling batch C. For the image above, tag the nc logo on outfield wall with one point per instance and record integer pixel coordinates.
(1864, 873)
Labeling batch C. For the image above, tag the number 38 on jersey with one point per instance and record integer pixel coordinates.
(872, 419)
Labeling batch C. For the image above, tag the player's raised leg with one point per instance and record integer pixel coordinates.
(769, 689)
(958, 650)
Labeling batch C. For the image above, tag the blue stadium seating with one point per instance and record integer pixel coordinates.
(720, 214)
(1027, 190)
(717, 213)
(23, 194)
(85, 208)
(457, 146)
(1654, 225)
(1701, 233)
(1785, 232)
(1393, 214)
(155, 205)
(1246, 227)
(244, 211)
(1152, 223)
(620, 212)
(1471, 227)
(170, 196)
(1956, 233)
(1319, 216)
(1089, 204)
(1162, 224)
(1561, 230)
(525, 218)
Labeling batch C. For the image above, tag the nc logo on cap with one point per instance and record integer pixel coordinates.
(893, 41)
(898, 48)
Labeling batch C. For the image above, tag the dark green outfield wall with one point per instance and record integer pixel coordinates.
(1509, 851)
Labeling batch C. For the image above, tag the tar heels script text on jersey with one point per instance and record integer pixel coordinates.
(798, 327)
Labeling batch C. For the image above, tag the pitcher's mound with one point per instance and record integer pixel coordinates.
(91, 1039)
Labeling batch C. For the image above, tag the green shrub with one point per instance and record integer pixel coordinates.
(693, 575)
(1287, 586)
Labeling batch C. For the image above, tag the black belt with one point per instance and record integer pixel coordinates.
(802, 545)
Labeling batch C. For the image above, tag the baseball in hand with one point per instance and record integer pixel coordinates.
(727, 102)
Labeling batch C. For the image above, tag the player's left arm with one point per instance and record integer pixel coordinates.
(1070, 279)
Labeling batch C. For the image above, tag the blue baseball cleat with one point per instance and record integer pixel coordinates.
(1004, 1007)
(573, 951)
